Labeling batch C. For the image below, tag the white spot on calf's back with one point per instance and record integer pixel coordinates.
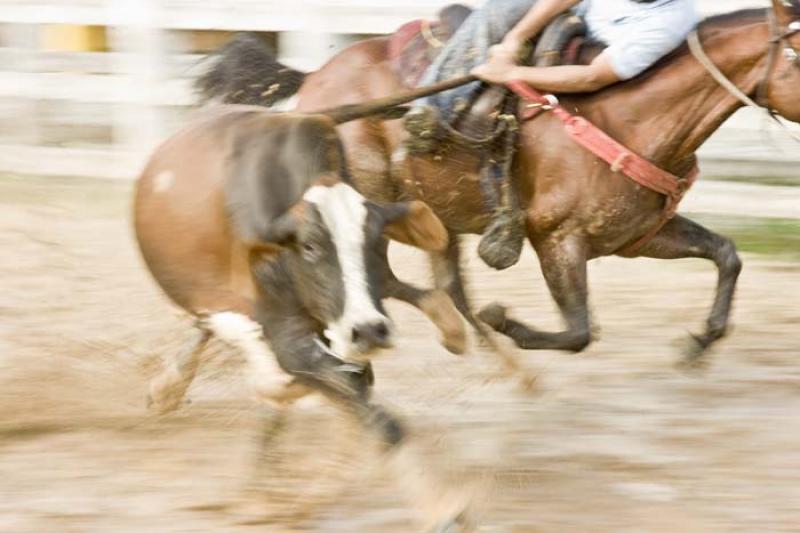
(163, 181)
(344, 213)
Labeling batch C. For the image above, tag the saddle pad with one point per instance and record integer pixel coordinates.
(413, 48)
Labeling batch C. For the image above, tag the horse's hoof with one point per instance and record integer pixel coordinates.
(693, 359)
(493, 315)
(439, 308)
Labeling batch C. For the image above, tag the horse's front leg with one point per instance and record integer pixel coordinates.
(448, 276)
(563, 262)
(681, 238)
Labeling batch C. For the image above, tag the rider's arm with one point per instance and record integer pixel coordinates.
(569, 78)
(534, 22)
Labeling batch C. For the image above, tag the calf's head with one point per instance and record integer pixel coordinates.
(333, 244)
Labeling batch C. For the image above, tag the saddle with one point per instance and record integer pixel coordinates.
(415, 45)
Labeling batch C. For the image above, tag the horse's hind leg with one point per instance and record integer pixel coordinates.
(168, 388)
(563, 264)
(682, 238)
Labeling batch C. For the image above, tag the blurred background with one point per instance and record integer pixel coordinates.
(88, 86)
(615, 440)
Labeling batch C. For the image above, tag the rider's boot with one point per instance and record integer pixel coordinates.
(502, 240)
(501, 244)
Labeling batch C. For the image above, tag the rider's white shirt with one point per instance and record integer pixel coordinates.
(637, 34)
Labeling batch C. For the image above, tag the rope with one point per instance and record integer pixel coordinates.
(699, 53)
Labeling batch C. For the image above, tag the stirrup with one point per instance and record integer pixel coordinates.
(423, 123)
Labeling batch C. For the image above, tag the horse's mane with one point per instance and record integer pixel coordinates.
(734, 18)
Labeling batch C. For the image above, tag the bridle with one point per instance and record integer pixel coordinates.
(779, 38)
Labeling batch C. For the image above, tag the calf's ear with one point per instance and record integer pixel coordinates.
(414, 223)
(276, 235)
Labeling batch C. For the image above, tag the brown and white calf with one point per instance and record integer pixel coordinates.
(247, 220)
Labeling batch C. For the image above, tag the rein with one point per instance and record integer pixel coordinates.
(778, 38)
(618, 156)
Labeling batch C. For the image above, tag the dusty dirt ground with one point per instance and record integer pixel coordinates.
(615, 439)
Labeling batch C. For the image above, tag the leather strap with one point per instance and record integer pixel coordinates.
(620, 158)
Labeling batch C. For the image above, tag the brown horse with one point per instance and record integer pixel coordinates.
(577, 208)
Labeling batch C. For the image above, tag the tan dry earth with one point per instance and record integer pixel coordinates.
(616, 440)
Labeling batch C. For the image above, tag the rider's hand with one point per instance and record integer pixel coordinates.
(505, 52)
(499, 69)
(511, 46)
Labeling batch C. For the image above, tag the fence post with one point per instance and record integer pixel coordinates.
(24, 39)
(141, 62)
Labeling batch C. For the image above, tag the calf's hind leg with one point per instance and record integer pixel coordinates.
(168, 388)
(682, 238)
(436, 305)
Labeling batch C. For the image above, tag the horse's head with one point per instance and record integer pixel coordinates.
(783, 90)
(333, 250)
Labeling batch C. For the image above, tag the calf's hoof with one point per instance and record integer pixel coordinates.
(458, 521)
(166, 394)
(493, 315)
(439, 308)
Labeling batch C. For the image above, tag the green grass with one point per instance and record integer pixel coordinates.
(771, 236)
(781, 181)
(111, 198)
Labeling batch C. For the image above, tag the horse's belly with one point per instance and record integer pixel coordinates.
(451, 188)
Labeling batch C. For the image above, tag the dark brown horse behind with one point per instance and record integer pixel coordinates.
(577, 207)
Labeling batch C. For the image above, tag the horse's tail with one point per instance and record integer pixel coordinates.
(245, 71)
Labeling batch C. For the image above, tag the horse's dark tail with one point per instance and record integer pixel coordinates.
(245, 71)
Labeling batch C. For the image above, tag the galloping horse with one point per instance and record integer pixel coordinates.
(577, 207)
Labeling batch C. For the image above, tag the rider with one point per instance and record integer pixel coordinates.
(637, 33)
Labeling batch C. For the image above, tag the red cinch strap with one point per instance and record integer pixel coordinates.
(620, 158)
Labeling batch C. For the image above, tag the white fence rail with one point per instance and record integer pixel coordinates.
(98, 113)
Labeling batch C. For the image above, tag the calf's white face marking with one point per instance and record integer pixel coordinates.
(343, 211)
